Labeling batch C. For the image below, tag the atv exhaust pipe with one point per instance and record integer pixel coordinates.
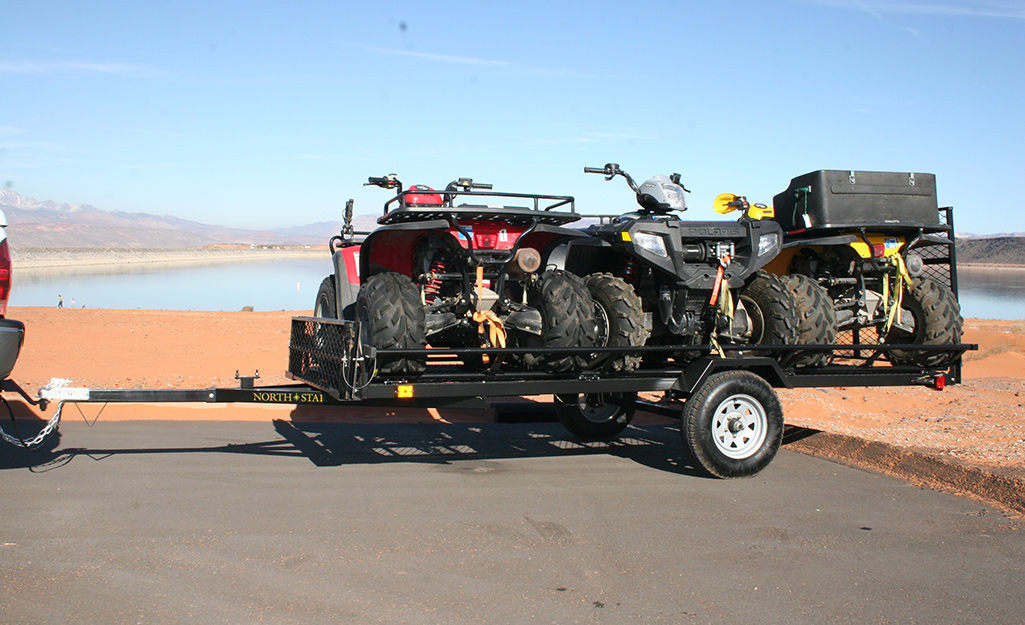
(526, 260)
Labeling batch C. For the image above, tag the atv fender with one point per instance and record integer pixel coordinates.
(839, 239)
(347, 272)
(584, 255)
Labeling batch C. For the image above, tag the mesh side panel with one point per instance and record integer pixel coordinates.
(938, 258)
(317, 351)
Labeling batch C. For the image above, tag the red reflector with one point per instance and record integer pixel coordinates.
(941, 382)
(486, 241)
(878, 250)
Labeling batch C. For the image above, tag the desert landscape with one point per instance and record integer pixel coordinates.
(969, 436)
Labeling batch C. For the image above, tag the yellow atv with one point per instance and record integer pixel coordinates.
(867, 259)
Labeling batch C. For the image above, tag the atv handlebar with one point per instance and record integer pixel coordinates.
(610, 171)
(466, 184)
(390, 181)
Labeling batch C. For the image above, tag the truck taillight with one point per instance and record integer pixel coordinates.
(5, 276)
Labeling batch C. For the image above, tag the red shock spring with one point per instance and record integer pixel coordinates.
(629, 271)
(433, 286)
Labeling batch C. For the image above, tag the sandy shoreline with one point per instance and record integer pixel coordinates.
(42, 259)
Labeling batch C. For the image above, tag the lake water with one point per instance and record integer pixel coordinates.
(292, 285)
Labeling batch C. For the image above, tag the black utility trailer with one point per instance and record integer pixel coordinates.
(731, 417)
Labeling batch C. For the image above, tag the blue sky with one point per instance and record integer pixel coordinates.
(264, 114)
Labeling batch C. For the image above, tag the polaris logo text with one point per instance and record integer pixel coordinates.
(714, 232)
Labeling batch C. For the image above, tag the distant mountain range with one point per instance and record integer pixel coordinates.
(1005, 250)
(35, 223)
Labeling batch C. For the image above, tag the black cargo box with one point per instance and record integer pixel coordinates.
(846, 199)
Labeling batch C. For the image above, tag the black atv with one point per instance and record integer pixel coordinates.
(658, 280)
(466, 267)
(700, 284)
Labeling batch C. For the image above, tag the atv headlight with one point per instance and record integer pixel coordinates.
(651, 243)
(768, 244)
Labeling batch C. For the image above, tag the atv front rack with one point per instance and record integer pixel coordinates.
(545, 209)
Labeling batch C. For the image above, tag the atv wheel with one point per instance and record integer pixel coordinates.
(589, 416)
(620, 317)
(935, 320)
(733, 424)
(770, 311)
(325, 305)
(816, 319)
(567, 314)
(391, 317)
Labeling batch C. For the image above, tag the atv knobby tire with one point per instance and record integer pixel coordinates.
(391, 317)
(567, 314)
(620, 318)
(937, 321)
(770, 310)
(816, 319)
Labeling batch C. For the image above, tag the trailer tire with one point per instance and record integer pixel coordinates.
(816, 319)
(567, 313)
(590, 416)
(619, 315)
(732, 425)
(937, 321)
(771, 311)
(391, 316)
(326, 304)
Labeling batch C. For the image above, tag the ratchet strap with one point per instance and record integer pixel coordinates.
(496, 334)
(900, 281)
(496, 329)
(722, 300)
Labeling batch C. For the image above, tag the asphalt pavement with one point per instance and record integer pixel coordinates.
(282, 522)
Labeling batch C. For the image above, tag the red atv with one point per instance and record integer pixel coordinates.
(461, 268)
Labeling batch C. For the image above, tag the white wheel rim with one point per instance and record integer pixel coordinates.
(594, 409)
(739, 426)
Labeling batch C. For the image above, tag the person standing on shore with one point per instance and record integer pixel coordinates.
(60, 301)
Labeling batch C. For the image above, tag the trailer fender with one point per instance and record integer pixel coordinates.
(697, 371)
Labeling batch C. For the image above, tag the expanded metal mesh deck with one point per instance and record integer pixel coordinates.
(319, 354)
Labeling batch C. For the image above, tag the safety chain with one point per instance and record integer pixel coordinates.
(38, 439)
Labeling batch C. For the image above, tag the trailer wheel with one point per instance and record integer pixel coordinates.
(733, 424)
(567, 313)
(620, 317)
(816, 319)
(325, 305)
(391, 317)
(934, 319)
(591, 416)
(770, 311)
